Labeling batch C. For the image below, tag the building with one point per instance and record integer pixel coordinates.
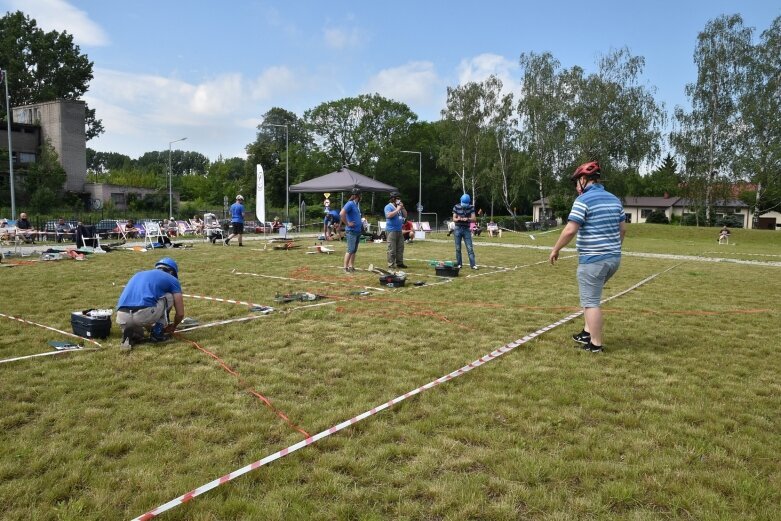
(638, 209)
(61, 123)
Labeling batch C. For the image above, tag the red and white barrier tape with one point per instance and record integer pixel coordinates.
(374, 410)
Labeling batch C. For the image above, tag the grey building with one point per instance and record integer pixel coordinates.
(61, 122)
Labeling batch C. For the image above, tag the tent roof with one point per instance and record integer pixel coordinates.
(342, 180)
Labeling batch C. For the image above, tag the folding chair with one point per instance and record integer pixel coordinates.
(87, 237)
(153, 234)
(212, 228)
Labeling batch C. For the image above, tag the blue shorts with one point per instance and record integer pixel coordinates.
(352, 241)
(592, 278)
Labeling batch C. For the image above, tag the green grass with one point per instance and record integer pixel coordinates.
(678, 419)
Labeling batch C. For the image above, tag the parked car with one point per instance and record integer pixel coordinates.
(258, 227)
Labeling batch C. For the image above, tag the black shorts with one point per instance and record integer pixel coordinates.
(238, 228)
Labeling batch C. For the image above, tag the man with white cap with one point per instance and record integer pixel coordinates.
(237, 220)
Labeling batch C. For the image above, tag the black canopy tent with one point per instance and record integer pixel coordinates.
(343, 180)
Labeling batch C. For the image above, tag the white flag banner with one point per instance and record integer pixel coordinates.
(260, 196)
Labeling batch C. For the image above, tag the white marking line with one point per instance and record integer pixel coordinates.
(374, 410)
(305, 280)
(253, 317)
(739, 253)
(229, 301)
(60, 331)
(61, 351)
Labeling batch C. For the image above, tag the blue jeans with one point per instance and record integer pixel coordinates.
(462, 232)
(592, 278)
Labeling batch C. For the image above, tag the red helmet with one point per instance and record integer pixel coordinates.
(586, 169)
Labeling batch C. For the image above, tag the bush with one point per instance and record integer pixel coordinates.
(731, 221)
(657, 217)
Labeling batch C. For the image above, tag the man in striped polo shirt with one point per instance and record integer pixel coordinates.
(597, 218)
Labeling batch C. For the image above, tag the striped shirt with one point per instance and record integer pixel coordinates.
(598, 212)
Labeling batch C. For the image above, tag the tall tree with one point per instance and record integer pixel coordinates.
(664, 179)
(44, 66)
(544, 123)
(615, 117)
(357, 131)
(759, 137)
(707, 136)
(466, 117)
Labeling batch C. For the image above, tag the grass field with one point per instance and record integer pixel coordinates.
(679, 418)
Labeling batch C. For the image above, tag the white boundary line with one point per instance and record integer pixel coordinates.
(234, 272)
(61, 351)
(253, 317)
(374, 410)
(60, 331)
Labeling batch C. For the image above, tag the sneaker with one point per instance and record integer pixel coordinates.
(226, 242)
(347, 270)
(213, 239)
(240, 245)
(473, 267)
(126, 344)
(352, 269)
(402, 266)
(582, 338)
(591, 347)
(157, 334)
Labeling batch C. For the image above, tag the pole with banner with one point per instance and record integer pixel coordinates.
(260, 196)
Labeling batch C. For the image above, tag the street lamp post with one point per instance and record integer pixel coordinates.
(420, 181)
(170, 175)
(4, 75)
(287, 168)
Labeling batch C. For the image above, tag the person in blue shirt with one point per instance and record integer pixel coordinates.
(350, 216)
(145, 302)
(395, 215)
(597, 218)
(237, 220)
(331, 224)
(463, 217)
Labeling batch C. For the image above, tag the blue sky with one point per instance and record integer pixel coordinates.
(208, 70)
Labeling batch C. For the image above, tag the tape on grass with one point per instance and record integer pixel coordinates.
(253, 317)
(278, 277)
(60, 331)
(374, 410)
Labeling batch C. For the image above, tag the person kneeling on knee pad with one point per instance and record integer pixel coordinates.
(145, 302)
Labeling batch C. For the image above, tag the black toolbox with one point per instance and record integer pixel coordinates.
(90, 324)
(446, 271)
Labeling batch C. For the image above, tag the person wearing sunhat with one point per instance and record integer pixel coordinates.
(237, 220)
(145, 302)
(395, 214)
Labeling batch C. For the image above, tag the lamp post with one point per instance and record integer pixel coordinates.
(4, 75)
(287, 168)
(170, 175)
(420, 181)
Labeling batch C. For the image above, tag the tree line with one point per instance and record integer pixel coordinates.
(509, 152)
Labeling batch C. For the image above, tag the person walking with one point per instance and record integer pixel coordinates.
(463, 217)
(597, 218)
(145, 302)
(395, 215)
(351, 217)
(237, 220)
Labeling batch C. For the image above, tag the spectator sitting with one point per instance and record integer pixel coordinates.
(4, 230)
(494, 230)
(197, 224)
(276, 224)
(724, 235)
(25, 229)
(130, 229)
(475, 229)
(62, 228)
(408, 230)
(169, 226)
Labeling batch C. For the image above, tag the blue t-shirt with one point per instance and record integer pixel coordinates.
(145, 288)
(463, 211)
(599, 214)
(331, 217)
(393, 224)
(353, 213)
(237, 213)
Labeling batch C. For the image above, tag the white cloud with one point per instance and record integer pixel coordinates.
(59, 15)
(274, 81)
(480, 67)
(416, 84)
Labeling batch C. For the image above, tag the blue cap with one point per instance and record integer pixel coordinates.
(169, 263)
(465, 199)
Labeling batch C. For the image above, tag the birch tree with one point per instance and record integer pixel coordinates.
(708, 135)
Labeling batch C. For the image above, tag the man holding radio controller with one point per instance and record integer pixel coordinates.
(395, 215)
